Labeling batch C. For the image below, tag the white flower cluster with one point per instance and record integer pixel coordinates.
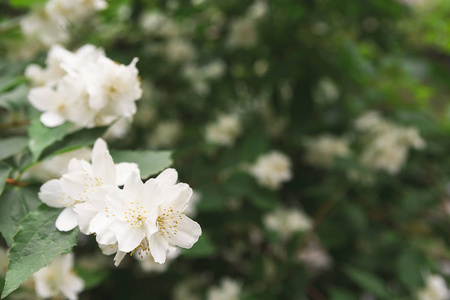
(224, 131)
(148, 218)
(287, 221)
(48, 25)
(322, 150)
(84, 87)
(435, 289)
(228, 290)
(58, 279)
(272, 169)
(387, 143)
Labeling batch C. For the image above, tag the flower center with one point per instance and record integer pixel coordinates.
(167, 222)
(136, 216)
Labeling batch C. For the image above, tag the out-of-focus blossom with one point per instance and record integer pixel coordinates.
(272, 169)
(158, 24)
(48, 25)
(179, 50)
(322, 150)
(56, 166)
(228, 289)
(314, 257)
(166, 134)
(287, 221)
(58, 279)
(243, 33)
(186, 291)
(387, 143)
(326, 92)
(224, 131)
(118, 130)
(435, 289)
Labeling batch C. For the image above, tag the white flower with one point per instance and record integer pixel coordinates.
(148, 217)
(58, 279)
(243, 33)
(387, 144)
(314, 256)
(166, 134)
(74, 10)
(228, 290)
(287, 221)
(322, 150)
(179, 50)
(118, 130)
(80, 184)
(435, 289)
(224, 131)
(272, 169)
(56, 166)
(156, 23)
(326, 92)
(84, 87)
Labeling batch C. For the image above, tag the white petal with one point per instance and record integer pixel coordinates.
(158, 246)
(128, 238)
(52, 119)
(167, 177)
(103, 167)
(124, 170)
(101, 225)
(72, 286)
(99, 146)
(188, 232)
(178, 196)
(77, 185)
(118, 258)
(52, 194)
(43, 98)
(67, 220)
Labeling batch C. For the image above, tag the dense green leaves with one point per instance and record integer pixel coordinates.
(12, 210)
(367, 282)
(149, 162)
(202, 248)
(12, 145)
(25, 3)
(42, 137)
(36, 243)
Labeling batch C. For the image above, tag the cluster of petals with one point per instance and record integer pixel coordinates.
(144, 217)
(48, 24)
(272, 169)
(84, 87)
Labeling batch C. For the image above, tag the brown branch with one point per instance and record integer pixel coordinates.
(15, 124)
(15, 182)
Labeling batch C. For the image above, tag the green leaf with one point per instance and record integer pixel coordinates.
(13, 100)
(80, 138)
(11, 146)
(409, 268)
(202, 248)
(5, 170)
(367, 282)
(36, 243)
(25, 3)
(42, 137)
(91, 278)
(341, 294)
(12, 211)
(150, 162)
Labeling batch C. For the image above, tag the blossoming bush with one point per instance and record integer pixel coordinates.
(224, 150)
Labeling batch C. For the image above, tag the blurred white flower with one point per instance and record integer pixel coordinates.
(229, 289)
(314, 257)
(56, 166)
(185, 290)
(118, 130)
(58, 279)
(387, 144)
(435, 289)
(258, 9)
(166, 134)
(272, 169)
(156, 23)
(48, 25)
(243, 33)
(179, 50)
(287, 221)
(322, 150)
(224, 131)
(326, 92)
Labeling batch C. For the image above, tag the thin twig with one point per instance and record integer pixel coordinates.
(15, 182)
(15, 124)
